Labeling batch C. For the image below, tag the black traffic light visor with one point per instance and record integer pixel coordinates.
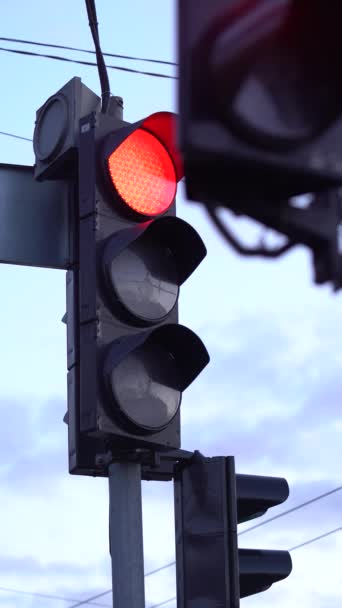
(145, 374)
(184, 345)
(181, 238)
(256, 494)
(275, 70)
(260, 568)
(144, 266)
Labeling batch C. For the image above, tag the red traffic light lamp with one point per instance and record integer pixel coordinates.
(143, 164)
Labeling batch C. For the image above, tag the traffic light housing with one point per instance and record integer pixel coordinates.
(135, 360)
(210, 502)
(260, 101)
(55, 139)
(129, 359)
(260, 96)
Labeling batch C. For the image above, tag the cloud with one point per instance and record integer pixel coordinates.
(270, 395)
(33, 445)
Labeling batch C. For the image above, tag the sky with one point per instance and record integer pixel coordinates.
(270, 395)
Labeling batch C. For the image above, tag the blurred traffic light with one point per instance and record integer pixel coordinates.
(260, 102)
(129, 359)
(260, 91)
(210, 501)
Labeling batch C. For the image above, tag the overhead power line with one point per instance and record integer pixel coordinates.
(73, 48)
(15, 136)
(308, 542)
(88, 63)
(266, 521)
(90, 600)
(313, 540)
(98, 595)
(172, 599)
(300, 506)
(45, 595)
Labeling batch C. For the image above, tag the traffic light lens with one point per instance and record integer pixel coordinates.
(146, 387)
(144, 278)
(143, 173)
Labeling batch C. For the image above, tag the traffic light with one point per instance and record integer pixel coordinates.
(260, 102)
(210, 501)
(260, 94)
(129, 359)
(259, 569)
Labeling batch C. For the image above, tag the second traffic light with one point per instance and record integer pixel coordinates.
(210, 501)
(260, 99)
(129, 358)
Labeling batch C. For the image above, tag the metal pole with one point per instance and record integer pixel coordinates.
(126, 535)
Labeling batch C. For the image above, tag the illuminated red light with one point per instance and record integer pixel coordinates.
(143, 173)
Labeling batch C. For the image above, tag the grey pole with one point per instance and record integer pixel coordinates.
(126, 535)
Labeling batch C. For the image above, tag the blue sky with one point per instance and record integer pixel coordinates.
(270, 395)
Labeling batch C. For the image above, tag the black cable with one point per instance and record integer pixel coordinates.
(95, 597)
(307, 542)
(103, 74)
(73, 48)
(44, 595)
(80, 62)
(160, 568)
(242, 249)
(172, 599)
(266, 521)
(89, 600)
(296, 508)
(312, 540)
(16, 136)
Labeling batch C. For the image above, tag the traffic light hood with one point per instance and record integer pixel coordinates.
(186, 348)
(177, 235)
(162, 125)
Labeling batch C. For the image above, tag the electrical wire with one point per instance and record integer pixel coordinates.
(95, 597)
(159, 569)
(266, 521)
(87, 63)
(73, 48)
(313, 540)
(304, 544)
(101, 66)
(229, 236)
(296, 508)
(90, 600)
(15, 136)
(44, 595)
(300, 506)
(172, 599)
